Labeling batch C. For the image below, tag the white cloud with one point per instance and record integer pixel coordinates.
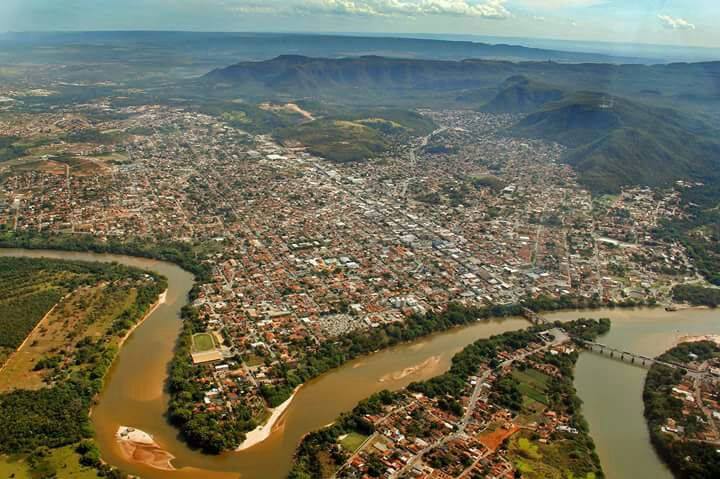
(494, 9)
(675, 23)
(557, 4)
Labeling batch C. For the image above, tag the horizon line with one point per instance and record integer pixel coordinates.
(389, 35)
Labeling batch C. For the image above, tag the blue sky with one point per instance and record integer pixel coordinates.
(681, 22)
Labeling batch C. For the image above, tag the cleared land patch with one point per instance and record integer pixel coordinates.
(86, 313)
(495, 436)
(203, 342)
(547, 461)
(48, 383)
(336, 140)
(533, 385)
(352, 441)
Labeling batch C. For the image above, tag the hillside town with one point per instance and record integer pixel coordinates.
(303, 250)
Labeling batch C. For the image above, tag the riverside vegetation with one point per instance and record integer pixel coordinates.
(215, 432)
(44, 415)
(320, 456)
(675, 427)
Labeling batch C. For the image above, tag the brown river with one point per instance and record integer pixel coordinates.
(611, 390)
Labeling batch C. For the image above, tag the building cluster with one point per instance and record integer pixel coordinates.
(699, 394)
(303, 250)
(423, 437)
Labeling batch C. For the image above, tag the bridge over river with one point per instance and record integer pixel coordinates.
(534, 317)
(627, 356)
(633, 358)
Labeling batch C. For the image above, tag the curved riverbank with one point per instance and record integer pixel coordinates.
(134, 392)
(161, 299)
(680, 410)
(611, 390)
(263, 431)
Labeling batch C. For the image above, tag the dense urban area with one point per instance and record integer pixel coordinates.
(293, 250)
(320, 228)
(506, 408)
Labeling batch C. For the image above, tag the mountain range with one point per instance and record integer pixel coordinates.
(390, 80)
(622, 124)
(614, 142)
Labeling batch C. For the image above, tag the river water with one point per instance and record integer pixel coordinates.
(611, 390)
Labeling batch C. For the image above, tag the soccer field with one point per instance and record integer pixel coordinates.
(203, 342)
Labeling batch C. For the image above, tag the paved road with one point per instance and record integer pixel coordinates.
(560, 338)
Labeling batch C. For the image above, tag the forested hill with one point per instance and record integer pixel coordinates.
(623, 124)
(616, 142)
(520, 94)
(298, 74)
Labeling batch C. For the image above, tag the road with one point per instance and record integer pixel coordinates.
(560, 338)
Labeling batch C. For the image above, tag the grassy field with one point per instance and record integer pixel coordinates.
(61, 463)
(87, 313)
(533, 385)
(352, 441)
(203, 342)
(15, 468)
(336, 140)
(546, 461)
(253, 360)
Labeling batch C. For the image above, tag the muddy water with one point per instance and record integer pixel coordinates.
(611, 390)
(134, 396)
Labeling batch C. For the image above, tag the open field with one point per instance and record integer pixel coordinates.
(545, 461)
(352, 441)
(12, 467)
(62, 462)
(493, 440)
(533, 385)
(203, 342)
(341, 141)
(252, 360)
(87, 313)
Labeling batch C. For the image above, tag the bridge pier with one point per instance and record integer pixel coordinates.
(635, 359)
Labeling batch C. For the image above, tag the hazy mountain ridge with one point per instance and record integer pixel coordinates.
(616, 142)
(299, 73)
(519, 94)
(257, 46)
(322, 76)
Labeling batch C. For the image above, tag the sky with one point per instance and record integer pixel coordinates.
(671, 22)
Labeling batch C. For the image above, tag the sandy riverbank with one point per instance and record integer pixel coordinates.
(261, 433)
(714, 338)
(431, 362)
(138, 446)
(161, 299)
